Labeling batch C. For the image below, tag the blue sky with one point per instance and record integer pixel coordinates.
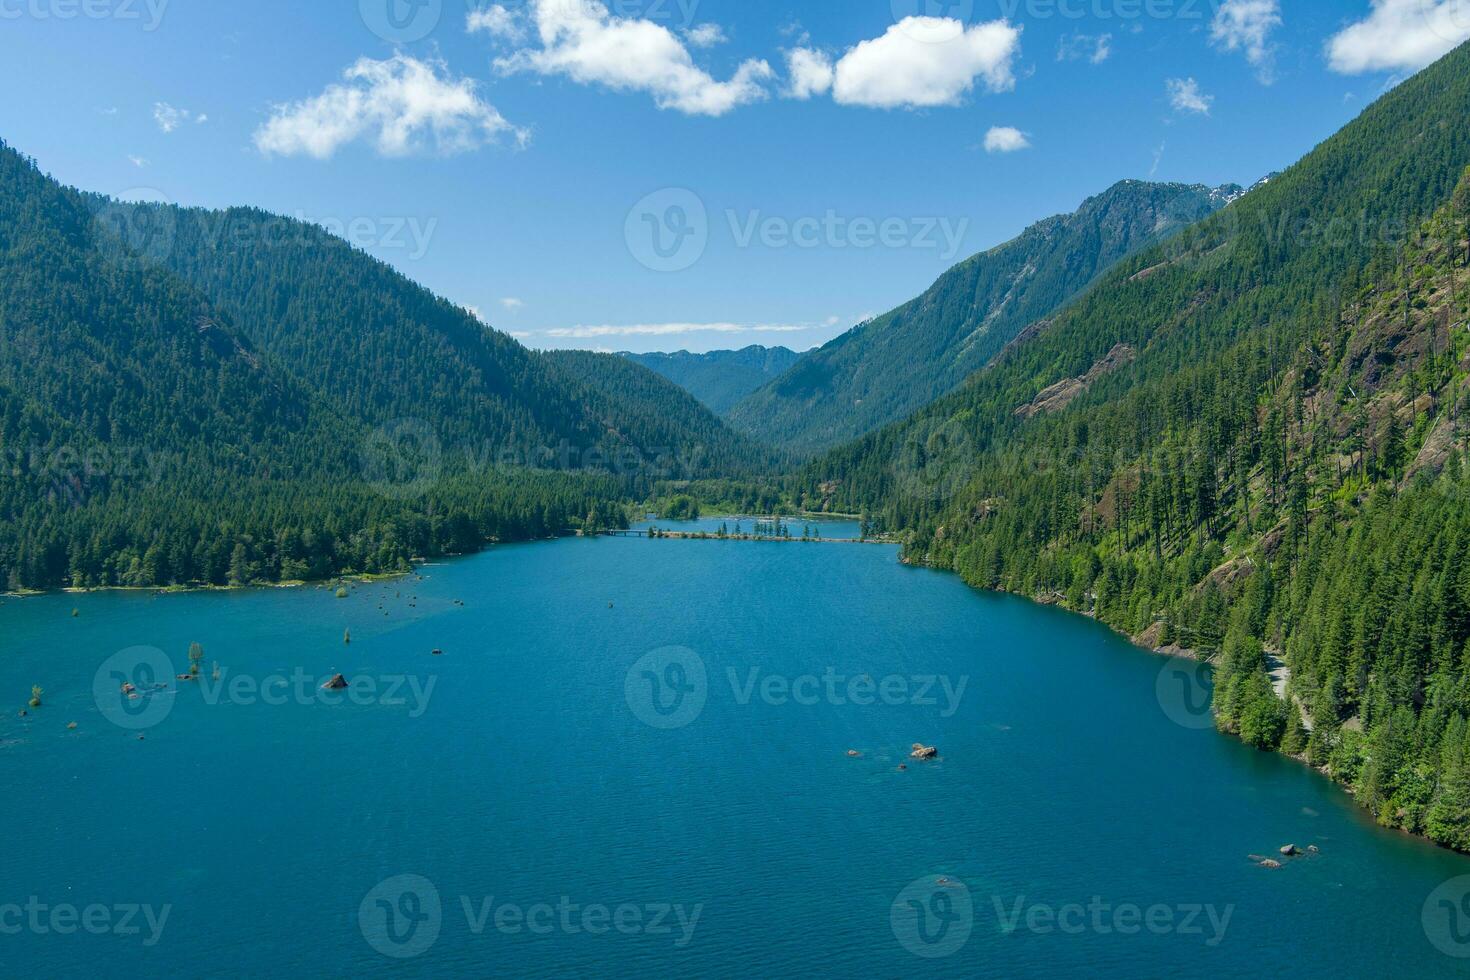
(700, 174)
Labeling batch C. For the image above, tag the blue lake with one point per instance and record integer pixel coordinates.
(631, 759)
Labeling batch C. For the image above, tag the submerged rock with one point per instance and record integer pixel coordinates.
(854, 754)
(1270, 863)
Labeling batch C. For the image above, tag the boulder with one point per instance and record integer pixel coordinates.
(337, 683)
(1289, 850)
(924, 752)
(854, 754)
(1312, 849)
(1270, 863)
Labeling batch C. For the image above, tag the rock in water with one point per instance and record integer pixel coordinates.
(854, 754)
(1289, 850)
(1270, 863)
(924, 752)
(337, 683)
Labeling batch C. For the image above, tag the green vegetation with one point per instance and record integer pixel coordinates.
(1250, 443)
(720, 378)
(196, 397)
(890, 366)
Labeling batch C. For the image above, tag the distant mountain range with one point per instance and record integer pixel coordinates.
(888, 367)
(720, 378)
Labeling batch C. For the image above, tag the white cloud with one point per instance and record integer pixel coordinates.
(927, 61)
(496, 21)
(401, 104)
(1005, 139)
(1093, 48)
(670, 329)
(139, 162)
(809, 73)
(1400, 35)
(512, 304)
(705, 35)
(170, 118)
(1246, 25)
(1185, 96)
(581, 40)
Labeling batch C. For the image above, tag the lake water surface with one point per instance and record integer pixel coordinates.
(631, 759)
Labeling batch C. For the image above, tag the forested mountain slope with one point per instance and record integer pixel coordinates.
(884, 369)
(682, 437)
(381, 348)
(720, 378)
(1259, 451)
(225, 397)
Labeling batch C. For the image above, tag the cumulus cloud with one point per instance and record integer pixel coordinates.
(582, 41)
(927, 61)
(1005, 139)
(808, 73)
(496, 21)
(1246, 26)
(1092, 48)
(401, 104)
(1185, 96)
(170, 118)
(705, 35)
(1400, 35)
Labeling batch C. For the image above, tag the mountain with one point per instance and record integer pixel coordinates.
(892, 365)
(383, 349)
(1248, 445)
(720, 378)
(224, 397)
